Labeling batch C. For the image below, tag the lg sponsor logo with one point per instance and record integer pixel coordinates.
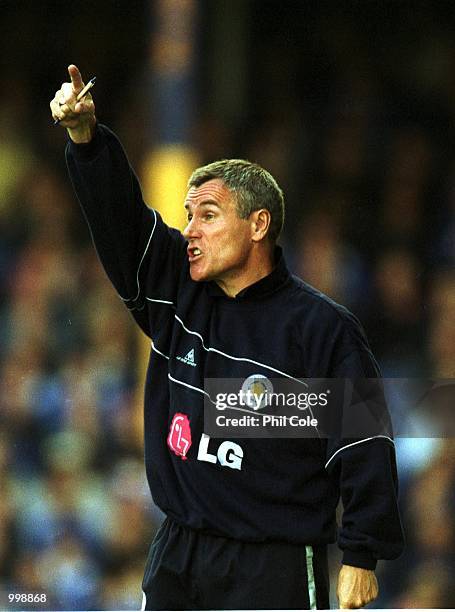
(228, 454)
(179, 438)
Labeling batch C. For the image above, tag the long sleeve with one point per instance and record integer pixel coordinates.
(141, 255)
(364, 466)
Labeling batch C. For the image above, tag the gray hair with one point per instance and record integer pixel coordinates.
(254, 188)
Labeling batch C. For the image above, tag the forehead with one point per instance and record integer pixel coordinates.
(213, 190)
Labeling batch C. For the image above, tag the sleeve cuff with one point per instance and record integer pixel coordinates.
(88, 151)
(359, 559)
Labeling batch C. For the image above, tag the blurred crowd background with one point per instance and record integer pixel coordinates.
(351, 106)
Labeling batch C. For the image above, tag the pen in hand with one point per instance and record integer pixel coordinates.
(81, 94)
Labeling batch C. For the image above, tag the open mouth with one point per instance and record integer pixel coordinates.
(194, 253)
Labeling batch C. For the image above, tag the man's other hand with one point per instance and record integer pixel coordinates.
(77, 117)
(356, 587)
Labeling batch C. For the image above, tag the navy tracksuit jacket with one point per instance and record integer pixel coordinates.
(274, 489)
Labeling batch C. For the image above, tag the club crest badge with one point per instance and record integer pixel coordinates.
(256, 389)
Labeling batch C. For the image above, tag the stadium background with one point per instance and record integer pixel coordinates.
(351, 105)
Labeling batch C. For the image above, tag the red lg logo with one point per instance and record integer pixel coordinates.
(179, 438)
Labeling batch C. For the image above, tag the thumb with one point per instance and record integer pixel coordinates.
(76, 78)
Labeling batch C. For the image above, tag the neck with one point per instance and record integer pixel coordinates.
(258, 266)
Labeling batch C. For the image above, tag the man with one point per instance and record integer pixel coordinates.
(248, 521)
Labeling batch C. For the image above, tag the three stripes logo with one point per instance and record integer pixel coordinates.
(188, 359)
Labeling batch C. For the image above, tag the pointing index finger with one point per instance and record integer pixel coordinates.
(76, 78)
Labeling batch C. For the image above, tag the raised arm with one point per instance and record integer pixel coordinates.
(142, 256)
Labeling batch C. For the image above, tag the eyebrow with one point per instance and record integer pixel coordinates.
(204, 203)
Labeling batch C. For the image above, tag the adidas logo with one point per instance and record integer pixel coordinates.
(188, 359)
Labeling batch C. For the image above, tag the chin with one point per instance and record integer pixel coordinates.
(198, 275)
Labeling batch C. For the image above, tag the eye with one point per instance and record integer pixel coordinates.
(209, 216)
(189, 217)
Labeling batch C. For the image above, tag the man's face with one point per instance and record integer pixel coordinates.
(219, 242)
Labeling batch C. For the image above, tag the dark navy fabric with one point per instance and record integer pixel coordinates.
(286, 489)
(188, 569)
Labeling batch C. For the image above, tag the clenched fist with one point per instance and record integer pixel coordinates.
(356, 587)
(77, 117)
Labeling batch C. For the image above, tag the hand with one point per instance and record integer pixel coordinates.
(77, 117)
(356, 587)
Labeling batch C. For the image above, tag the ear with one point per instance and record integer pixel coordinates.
(260, 224)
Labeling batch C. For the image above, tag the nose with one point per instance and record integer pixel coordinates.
(191, 231)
